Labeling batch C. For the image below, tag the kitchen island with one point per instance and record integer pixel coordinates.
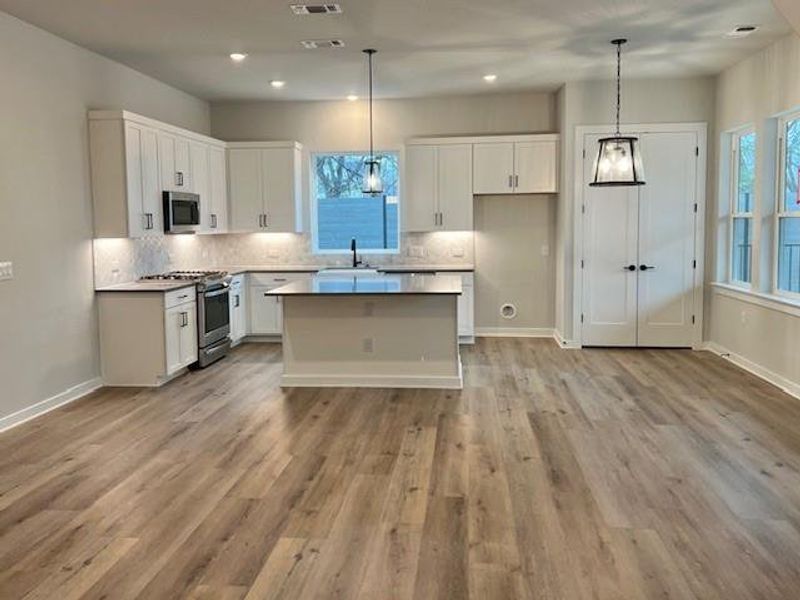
(342, 330)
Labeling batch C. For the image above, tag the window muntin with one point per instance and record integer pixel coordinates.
(743, 170)
(341, 211)
(787, 278)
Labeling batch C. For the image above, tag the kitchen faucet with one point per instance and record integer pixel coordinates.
(356, 262)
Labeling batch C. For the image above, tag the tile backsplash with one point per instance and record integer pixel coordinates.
(120, 260)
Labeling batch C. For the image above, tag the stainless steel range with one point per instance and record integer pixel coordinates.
(213, 316)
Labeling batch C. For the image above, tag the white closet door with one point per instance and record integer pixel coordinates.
(666, 239)
(610, 248)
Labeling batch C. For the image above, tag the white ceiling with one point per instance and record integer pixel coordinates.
(426, 47)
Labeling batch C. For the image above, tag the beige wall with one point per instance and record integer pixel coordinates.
(511, 266)
(47, 312)
(680, 100)
(752, 92)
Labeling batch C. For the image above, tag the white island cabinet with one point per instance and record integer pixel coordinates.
(148, 332)
(378, 331)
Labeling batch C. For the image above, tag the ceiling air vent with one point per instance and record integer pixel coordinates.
(316, 44)
(316, 9)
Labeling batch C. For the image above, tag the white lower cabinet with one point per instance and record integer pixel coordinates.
(266, 311)
(146, 337)
(466, 308)
(238, 308)
(180, 327)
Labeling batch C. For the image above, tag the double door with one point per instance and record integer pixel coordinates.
(438, 188)
(639, 260)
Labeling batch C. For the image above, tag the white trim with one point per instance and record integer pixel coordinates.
(581, 131)
(780, 201)
(787, 385)
(565, 344)
(125, 115)
(455, 382)
(264, 145)
(486, 139)
(782, 304)
(732, 201)
(512, 332)
(45, 406)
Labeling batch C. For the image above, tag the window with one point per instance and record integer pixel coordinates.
(743, 171)
(788, 213)
(343, 212)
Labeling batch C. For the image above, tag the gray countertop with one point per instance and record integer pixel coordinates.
(381, 285)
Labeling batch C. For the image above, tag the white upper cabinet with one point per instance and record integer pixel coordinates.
(135, 159)
(521, 165)
(265, 187)
(494, 168)
(437, 187)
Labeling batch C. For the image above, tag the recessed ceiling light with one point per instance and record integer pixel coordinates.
(490, 78)
(352, 97)
(238, 56)
(742, 31)
(277, 83)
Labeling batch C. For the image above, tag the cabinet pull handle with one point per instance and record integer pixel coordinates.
(183, 296)
(213, 221)
(179, 178)
(266, 221)
(184, 319)
(279, 279)
(516, 181)
(260, 220)
(511, 181)
(236, 301)
(441, 219)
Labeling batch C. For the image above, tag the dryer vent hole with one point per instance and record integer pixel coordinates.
(508, 311)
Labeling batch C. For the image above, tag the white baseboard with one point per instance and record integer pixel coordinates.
(455, 382)
(45, 406)
(787, 385)
(527, 332)
(564, 343)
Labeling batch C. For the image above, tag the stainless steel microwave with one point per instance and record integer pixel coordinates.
(181, 212)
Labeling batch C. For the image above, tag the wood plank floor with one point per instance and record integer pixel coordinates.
(554, 474)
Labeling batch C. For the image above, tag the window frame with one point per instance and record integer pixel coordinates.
(733, 201)
(312, 186)
(780, 202)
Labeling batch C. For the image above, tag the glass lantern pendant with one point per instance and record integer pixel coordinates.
(619, 158)
(373, 184)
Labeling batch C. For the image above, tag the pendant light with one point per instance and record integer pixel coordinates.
(373, 185)
(619, 158)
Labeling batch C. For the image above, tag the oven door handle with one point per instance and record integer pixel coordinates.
(214, 293)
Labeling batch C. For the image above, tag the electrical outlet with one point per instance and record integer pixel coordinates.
(545, 250)
(6, 271)
(416, 251)
(456, 251)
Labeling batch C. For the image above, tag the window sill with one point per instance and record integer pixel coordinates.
(783, 304)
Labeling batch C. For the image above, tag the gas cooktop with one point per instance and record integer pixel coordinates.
(186, 276)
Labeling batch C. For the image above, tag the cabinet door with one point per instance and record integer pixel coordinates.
(535, 167)
(173, 324)
(201, 182)
(265, 312)
(218, 190)
(493, 171)
(137, 221)
(183, 165)
(238, 308)
(280, 201)
(166, 160)
(188, 333)
(151, 184)
(419, 189)
(246, 199)
(454, 183)
(466, 307)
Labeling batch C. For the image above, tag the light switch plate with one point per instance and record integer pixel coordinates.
(6, 271)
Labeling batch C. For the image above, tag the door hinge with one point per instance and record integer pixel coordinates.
(694, 264)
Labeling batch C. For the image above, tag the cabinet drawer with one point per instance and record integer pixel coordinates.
(276, 279)
(180, 296)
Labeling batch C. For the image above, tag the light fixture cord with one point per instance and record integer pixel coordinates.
(371, 152)
(619, 77)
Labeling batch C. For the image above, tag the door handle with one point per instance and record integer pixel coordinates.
(629, 268)
(646, 268)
